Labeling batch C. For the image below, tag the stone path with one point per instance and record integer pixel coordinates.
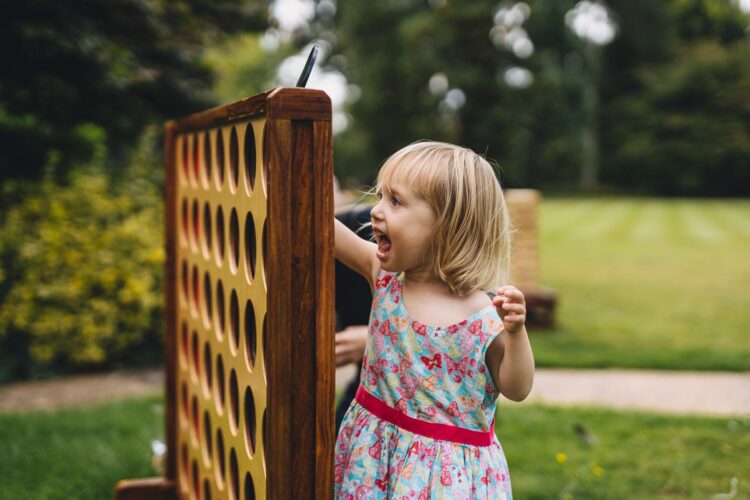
(696, 393)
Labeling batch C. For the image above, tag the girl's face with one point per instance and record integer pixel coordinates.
(403, 225)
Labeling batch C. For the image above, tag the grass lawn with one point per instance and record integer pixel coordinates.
(81, 453)
(647, 283)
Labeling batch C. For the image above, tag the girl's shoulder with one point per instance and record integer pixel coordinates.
(386, 279)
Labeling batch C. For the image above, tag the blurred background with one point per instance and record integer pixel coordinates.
(632, 118)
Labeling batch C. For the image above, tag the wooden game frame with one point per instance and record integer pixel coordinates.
(293, 440)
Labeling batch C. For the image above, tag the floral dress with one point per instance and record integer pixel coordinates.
(422, 424)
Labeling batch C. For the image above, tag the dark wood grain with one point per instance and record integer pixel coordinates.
(280, 103)
(325, 319)
(170, 301)
(157, 488)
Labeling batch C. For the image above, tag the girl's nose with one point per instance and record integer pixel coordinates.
(377, 212)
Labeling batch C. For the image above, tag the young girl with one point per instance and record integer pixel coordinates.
(439, 349)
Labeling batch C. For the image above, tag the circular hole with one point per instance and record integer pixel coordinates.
(207, 239)
(196, 235)
(265, 438)
(184, 460)
(234, 159)
(185, 158)
(250, 248)
(234, 401)
(195, 359)
(266, 147)
(266, 358)
(207, 160)
(249, 421)
(184, 342)
(185, 287)
(234, 321)
(219, 384)
(184, 401)
(250, 340)
(207, 443)
(206, 490)
(221, 470)
(219, 310)
(208, 372)
(196, 292)
(249, 487)
(219, 159)
(219, 236)
(196, 480)
(249, 159)
(234, 472)
(196, 423)
(207, 303)
(234, 241)
(185, 222)
(196, 158)
(265, 253)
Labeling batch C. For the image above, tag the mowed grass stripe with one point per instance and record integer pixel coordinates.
(652, 224)
(602, 220)
(697, 223)
(557, 217)
(733, 217)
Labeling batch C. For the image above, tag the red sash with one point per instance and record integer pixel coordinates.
(442, 432)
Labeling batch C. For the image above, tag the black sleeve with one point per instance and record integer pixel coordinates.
(353, 297)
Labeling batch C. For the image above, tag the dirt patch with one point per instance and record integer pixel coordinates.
(80, 390)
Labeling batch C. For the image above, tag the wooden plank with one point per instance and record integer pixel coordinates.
(280, 103)
(325, 318)
(170, 301)
(156, 488)
(277, 154)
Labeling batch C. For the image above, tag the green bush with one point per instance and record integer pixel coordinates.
(82, 270)
(685, 133)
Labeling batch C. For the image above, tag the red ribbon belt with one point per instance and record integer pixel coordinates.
(442, 432)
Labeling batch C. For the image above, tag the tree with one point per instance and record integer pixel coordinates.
(73, 68)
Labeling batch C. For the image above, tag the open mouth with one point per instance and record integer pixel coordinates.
(384, 244)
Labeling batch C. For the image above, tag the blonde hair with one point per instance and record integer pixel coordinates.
(471, 240)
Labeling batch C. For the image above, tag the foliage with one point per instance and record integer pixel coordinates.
(686, 131)
(117, 66)
(82, 280)
(661, 49)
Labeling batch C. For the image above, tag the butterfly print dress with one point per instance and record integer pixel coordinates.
(422, 424)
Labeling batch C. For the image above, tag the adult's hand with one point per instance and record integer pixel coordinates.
(350, 344)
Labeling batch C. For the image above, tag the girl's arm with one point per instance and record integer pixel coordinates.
(509, 356)
(356, 253)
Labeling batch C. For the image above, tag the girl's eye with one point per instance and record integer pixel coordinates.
(395, 201)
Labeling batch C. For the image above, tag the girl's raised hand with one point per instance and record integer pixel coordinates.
(511, 306)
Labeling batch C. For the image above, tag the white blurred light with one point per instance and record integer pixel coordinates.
(591, 22)
(326, 8)
(270, 40)
(523, 48)
(454, 100)
(333, 83)
(292, 14)
(438, 84)
(744, 5)
(518, 77)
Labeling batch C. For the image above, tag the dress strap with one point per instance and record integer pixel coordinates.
(441, 432)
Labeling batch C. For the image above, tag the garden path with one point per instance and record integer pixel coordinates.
(695, 393)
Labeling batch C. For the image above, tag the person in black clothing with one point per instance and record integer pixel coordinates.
(353, 304)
